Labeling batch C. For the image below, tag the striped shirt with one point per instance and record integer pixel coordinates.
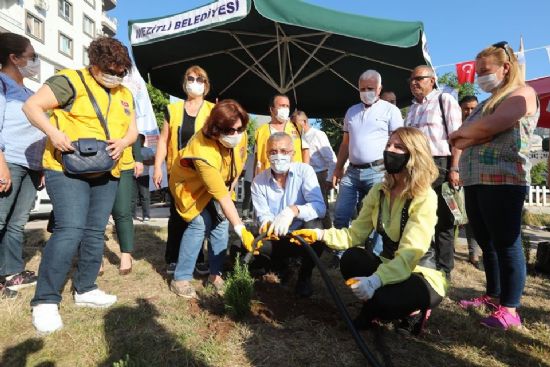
(502, 161)
(427, 117)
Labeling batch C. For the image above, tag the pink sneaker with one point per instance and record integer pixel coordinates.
(483, 301)
(502, 319)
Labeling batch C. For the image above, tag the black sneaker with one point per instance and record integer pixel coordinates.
(202, 268)
(21, 280)
(6, 292)
(304, 288)
(413, 324)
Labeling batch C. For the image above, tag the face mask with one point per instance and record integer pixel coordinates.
(395, 162)
(280, 163)
(194, 88)
(109, 81)
(230, 141)
(488, 82)
(31, 69)
(368, 97)
(282, 114)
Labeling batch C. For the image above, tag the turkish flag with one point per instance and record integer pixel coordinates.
(465, 72)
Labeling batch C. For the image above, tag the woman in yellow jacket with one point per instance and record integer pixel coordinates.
(201, 181)
(81, 203)
(182, 119)
(403, 282)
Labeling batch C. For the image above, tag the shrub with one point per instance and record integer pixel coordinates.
(538, 174)
(238, 290)
(129, 362)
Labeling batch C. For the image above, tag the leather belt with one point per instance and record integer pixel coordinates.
(377, 162)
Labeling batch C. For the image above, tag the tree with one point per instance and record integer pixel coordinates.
(538, 174)
(159, 100)
(450, 79)
(333, 129)
(250, 129)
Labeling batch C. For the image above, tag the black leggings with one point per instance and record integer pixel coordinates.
(392, 301)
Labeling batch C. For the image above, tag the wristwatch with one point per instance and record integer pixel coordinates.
(454, 169)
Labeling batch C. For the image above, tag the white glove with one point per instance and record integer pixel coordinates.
(365, 288)
(282, 222)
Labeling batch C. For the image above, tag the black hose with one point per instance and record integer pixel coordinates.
(333, 292)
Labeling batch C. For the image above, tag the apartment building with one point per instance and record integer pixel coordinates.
(60, 30)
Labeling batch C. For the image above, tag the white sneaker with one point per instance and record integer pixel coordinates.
(46, 318)
(96, 298)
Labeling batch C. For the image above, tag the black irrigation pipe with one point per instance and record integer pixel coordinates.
(333, 292)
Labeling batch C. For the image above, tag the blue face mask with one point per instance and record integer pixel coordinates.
(280, 163)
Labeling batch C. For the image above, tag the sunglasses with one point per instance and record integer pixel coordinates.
(121, 74)
(419, 78)
(504, 46)
(231, 130)
(199, 79)
(32, 58)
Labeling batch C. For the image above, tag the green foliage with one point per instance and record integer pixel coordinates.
(333, 129)
(128, 362)
(450, 79)
(159, 100)
(238, 290)
(538, 174)
(250, 129)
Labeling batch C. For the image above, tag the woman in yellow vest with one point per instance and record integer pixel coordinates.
(81, 203)
(201, 181)
(181, 120)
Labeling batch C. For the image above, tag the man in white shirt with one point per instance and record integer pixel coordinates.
(321, 157)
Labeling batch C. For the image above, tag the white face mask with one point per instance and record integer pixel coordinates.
(109, 81)
(368, 97)
(194, 88)
(282, 114)
(230, 141)
(280, 163)
(488, 82)
(31, 69)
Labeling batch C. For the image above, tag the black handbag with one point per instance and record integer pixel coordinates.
(90, 155)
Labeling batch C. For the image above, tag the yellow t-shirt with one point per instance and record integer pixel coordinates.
(263, 133)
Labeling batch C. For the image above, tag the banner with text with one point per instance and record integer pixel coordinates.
(208, 16)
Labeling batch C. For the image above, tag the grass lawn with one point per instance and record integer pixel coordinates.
(150, 326)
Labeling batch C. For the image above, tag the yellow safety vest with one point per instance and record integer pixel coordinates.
(188, 189)
(79, 120)
(176, 119)
(264, 132)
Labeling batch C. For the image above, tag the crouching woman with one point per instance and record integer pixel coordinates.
(402, 283)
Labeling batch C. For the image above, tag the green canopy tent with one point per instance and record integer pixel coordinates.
(313, 54)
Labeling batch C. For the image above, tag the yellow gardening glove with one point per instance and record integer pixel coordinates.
(265, 226)
(247, 238)
(309, 235)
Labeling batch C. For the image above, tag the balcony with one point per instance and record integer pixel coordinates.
(109, 25)
(109, 4)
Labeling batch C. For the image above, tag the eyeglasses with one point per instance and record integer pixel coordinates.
(419, 78)
(121, 74)
(280, 151)
(231, 130)
(199, 79)
(504, 46)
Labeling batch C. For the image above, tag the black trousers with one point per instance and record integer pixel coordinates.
(392, 301)
(444, 239)
(176, 226)
(275, 253)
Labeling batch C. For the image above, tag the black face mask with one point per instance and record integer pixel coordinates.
(395, 162)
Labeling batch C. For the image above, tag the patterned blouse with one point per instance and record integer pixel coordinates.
(502, 161)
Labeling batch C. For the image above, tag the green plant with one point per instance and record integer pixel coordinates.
(238, 290)
(159, 101)
(128, 362)
(538, 174)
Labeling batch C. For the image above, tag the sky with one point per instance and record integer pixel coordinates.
(456, 31)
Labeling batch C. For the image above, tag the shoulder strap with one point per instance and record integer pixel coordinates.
(443, 114)
(403, 220)
(96, 107)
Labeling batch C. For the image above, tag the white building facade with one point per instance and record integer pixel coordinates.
(59, 30)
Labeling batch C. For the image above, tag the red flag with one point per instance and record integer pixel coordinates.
(465, 72)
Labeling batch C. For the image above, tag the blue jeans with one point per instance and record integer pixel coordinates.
(15, 206)
(81, 208)
(494, 212)
(201, 227)
(354, 186)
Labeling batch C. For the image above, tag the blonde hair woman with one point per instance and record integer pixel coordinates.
(495, 167)
(402, 209)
